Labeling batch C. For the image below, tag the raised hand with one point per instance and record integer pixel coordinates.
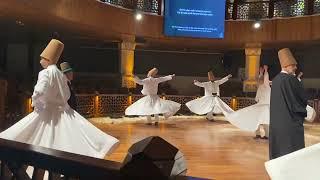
(261, 70)
(300, 75)
(265, 67)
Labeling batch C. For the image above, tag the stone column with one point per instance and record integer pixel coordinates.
(127, 64)
(252, 68)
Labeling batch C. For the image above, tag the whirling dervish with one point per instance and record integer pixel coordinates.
(210, 103)
(151, 103)
(53, 124)
(255, 116)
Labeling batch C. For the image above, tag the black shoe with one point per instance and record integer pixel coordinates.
(264, 137)
(257, 137)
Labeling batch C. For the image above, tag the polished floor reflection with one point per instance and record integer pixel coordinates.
(215, 150)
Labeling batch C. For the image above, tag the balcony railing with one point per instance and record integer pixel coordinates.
(150, 6)
(270, 9)
(238, 9)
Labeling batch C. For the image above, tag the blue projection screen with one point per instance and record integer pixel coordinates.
(194, 18)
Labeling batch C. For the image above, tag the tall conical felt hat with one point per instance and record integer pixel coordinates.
(286, 58)
(210, 76)
(53, 51)
(65, 67)
(152, 72)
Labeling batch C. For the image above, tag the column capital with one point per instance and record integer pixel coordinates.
(127, 46)
(250, 51)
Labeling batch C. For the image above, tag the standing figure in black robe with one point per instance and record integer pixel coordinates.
(287, 109)
(68, 71)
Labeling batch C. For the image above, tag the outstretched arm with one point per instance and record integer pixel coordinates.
(138, 80)
(299, 76)
(197, 83)
(266, 80)
(223, 80)
(258, 95)
(165, 78)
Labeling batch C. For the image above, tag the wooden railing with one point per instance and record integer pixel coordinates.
(16, 157)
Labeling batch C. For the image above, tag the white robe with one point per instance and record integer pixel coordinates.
(53, 124)
(299, 165)
(209, 103)
(151, 103)
(249, 118)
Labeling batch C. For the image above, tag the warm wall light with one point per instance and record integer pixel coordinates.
(129, 99)
(96, 105)
(234, 103)
(29, 108)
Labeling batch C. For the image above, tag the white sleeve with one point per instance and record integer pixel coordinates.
(138, 81)
(258, 94)
(42, 84)
(266, 80)
(40, 88)
(200, 84)
(163, 79)
(223, 80)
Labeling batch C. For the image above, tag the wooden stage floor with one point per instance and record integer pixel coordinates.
(214, 150)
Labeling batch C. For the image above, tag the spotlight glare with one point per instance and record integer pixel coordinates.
(257, 25)
(138, 16)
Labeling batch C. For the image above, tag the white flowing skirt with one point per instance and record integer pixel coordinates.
(64, 130)
(298, 165)
(208, 104)
(249, 118)
(153, 104)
